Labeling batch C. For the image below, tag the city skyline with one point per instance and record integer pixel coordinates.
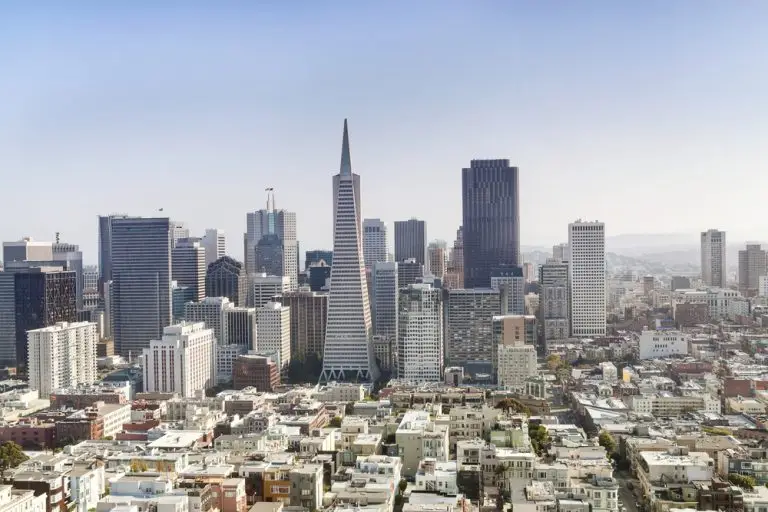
(591, 109)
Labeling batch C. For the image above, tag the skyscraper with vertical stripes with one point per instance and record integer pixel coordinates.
(348, 352)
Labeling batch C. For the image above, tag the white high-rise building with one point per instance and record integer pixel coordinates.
(274, 337)
(183, 362)
(263, 288)
(210, 311)
(561, 252)
(713, 270)
(179, 230)
(62, 355)
(420, 333)
(215, 243)
(586, 273)
(348, 352)
(374, 242)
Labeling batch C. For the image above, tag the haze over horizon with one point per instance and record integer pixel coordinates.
(647, 116)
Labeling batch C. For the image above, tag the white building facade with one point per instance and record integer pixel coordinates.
(660, 344)
(215, 243)
(420, 333)
(263, 288)
(274, 336)
(183, 362)
(586, 272)
(62, 355)
(713, 269)
(374, 241)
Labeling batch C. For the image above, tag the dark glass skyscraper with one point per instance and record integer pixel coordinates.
(226, 278)
(491, 219)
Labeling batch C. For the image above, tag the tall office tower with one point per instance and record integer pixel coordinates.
(374, 241)
(179, 231)
(210, 311)
(469, 328)
(511, 285)
(319, 277)
(491, 225)
(180, 295)
(182, 362)
(454, 277)
(553, 302)
(274, 338)
(384, 303)
(214, 242)
(32, 297)
(348, 352)
(226, 278)
(281, 224)
(752, 266)
(561, 252)
(141, 281)
(62, 355)
(188, 265)
(411, 240)
(586, 277)
(308, 319)
(90, 287)
(713, 270)
(269, 255)
(409, 271)
(241, 327)
(73, 257)
(316, 257)
(420, 333)
(264, 288)
(529, 272)
(515, 340)
(437, 258)
(105, 250)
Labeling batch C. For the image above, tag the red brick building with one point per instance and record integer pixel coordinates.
(255, 371)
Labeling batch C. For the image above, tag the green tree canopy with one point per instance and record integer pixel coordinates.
(607, 441)
(11, 455)
(743, 481)
(335, 422)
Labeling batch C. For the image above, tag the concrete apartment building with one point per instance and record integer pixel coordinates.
(713, 263)
(274, 338)
(420, 333)
(752, 266)
(62, 355)
(469, 328)
(586, 278)
(515, 339)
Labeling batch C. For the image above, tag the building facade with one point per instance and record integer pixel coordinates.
(226, 277)
(409, 271)
(553, 303)
(214, 242)
(411, 240)
(752, 266)
(420, 333)
(348, 351)
(309, 311)
(515, 338)
(713, 250)
(62, 355)
(183, 361)
(274, 338)
(469, 328)
(141, 281)
(264, 287)
(586, 272)
(437, 258)
(281, 225)
(374, 242)
(188, 265)
(384, 304)
(491, 219)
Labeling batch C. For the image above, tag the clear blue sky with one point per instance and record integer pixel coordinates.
(649, 115)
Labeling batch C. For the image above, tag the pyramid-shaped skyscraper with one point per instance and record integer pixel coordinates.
(348, 353)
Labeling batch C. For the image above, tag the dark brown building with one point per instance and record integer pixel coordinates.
(30, 434)
(255, 371)
(691, 314)
(50, 483)
(720, 495)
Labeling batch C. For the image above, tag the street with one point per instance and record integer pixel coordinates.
(627, 497)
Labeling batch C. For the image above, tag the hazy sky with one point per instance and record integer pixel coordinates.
(649, 115)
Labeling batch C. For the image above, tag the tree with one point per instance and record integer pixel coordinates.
(335, 422)
(402, 486)
(607, 441)
(512, 405)
(539, 438)
(553, 362)
(138, 466)
(744, 481)
(11, 455)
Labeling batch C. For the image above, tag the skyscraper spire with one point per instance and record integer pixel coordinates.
(346, 160)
